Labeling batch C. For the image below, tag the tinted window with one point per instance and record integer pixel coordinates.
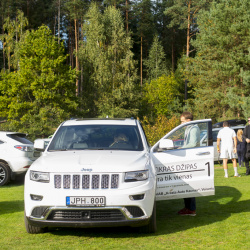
(215, 133)
(97, 137)
(20, 138)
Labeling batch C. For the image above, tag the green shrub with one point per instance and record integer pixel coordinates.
(162, 126)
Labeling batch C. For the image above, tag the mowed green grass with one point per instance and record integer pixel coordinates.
(222, 222)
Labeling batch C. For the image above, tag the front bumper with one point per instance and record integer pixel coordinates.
(88, 217)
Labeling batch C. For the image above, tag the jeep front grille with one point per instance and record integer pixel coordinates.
(87, 215)
(86, 181)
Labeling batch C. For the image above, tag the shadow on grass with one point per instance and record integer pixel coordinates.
(8, 207)
(210, 209)
(19, 181)
(12, 206)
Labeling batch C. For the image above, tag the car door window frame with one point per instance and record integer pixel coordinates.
(209, 133)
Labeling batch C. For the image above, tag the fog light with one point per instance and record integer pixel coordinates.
(36, 197)
(136, 197)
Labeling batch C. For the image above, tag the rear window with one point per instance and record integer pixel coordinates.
(97, 137)
(20, 138)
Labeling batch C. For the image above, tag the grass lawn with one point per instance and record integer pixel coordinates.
(222, 222)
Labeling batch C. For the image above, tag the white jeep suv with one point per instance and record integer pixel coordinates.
(16, 155)
(93, 173)
(102, 172)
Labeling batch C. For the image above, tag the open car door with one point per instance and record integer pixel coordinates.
(184, 161)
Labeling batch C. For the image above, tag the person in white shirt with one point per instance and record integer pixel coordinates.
(226, 146)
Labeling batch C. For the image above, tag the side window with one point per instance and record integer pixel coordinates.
(1, 142)
(190, 136)
(215, 133)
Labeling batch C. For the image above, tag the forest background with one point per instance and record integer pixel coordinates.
(151, 60)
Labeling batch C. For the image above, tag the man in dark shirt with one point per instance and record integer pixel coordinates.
(246, 136)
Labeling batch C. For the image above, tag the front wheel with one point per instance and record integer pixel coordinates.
(4, 174)
(151, 227)
(32, 229)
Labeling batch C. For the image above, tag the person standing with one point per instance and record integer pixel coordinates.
(191, 139)
(226, 146)
(246, 136)
(241, 147)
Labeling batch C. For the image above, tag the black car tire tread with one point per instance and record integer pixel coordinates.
(4, 169)
(32, 229)
(151, 227)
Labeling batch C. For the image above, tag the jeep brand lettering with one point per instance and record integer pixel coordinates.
(87, 169)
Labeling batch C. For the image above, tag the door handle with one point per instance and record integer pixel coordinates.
(203, 153)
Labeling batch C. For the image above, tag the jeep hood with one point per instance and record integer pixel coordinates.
(91, 161)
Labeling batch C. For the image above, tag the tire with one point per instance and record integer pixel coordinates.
(4, 174)
(151, 227)
(32, 229)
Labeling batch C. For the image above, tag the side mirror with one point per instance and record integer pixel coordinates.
(166, 144)
(39, 144)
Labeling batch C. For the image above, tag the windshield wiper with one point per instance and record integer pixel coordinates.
(62, 149)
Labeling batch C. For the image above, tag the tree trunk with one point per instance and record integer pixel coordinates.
(188, 28)
(28, 5)
(55, 26)
(3, 45)
(59, 13)
(141, 61)
(173, 49)
(127, 16)
(71, 40)
(76, 51)
(4, 58)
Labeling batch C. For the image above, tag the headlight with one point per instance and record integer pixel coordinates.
(39, 176)
(136, 176)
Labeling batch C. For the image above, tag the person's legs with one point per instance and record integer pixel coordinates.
(190, 203)
(247, 166)
(239, 158)
(190, 207)
(243, 161)
(235, 167)
(225, 167)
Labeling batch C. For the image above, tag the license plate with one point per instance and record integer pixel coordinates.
(86, 201)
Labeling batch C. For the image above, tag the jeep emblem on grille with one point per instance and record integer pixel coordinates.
(87, 169)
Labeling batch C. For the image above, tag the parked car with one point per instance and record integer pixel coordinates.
(232, 123)
(215, 131)
(16, 155)
(102, 172)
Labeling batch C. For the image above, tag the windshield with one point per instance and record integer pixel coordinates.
(20, 138)
(97, 137)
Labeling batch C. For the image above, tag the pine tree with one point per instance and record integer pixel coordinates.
(145, 30)
(107, 49)
(220, 69)
(156, 62)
